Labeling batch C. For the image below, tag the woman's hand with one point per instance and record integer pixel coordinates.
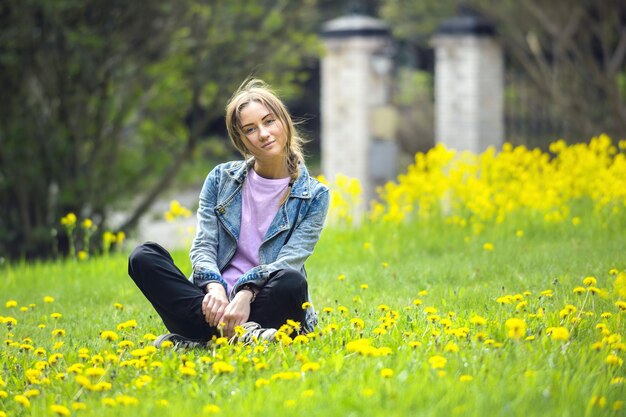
(237, 312)
(214, 303)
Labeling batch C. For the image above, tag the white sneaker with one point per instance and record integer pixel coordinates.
(180, 342)
(253, 332)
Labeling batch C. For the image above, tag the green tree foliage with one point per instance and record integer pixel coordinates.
(104, 101)
(573, 53)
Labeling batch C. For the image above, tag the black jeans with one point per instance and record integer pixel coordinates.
(179, 302)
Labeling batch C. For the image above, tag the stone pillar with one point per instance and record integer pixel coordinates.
(358, 123)
(469, 83)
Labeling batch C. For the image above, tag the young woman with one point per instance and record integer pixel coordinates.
(258, 221)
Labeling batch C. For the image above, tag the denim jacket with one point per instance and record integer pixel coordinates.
(219, 223)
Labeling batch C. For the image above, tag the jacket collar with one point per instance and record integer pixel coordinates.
(301, 188)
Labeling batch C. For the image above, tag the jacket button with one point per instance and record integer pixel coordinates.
(221, 210)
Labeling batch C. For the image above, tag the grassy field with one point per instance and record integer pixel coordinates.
(414, 320)
(481, 285)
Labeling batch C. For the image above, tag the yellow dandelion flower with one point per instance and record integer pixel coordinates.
(598, 401)
(310, 367)
(357, 323)
(48, 299)
(79, 406)
(466, 378)
(118, 306)
(558, 333)
(211, 409)
(138, 352)
(261, 382)
(32, 393)
(386, 373)
(108, 402)
(478, 320)
(22, 400)
(11, 304)
(516, 328)
(437, 362)
(430, 310)
(379, 331)
(127, 344)
(367, 392)
(126, 400)
(341, 277)
(109, 335)
(221, 367)
(451, 347)
(506, 299)
(590, 281)
(58, 332)
(614, 360)
(488, 246)
(60, 410)
(308, 393)
(306, 305)
(364, 286)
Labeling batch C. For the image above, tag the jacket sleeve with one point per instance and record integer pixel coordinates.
(203, 253)
(299, 247)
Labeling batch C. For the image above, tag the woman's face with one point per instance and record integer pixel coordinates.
(264, 135)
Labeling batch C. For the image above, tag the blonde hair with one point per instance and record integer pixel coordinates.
(253, 89)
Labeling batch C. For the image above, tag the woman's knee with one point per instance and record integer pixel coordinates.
(142, 257)
(289, 281)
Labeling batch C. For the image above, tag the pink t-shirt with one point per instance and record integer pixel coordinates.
(260, 202)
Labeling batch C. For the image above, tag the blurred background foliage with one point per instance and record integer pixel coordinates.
(106, 104)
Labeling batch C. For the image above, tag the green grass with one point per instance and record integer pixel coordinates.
(532, 378)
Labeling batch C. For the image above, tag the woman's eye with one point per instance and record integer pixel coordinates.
(248, 130)
(269, 121)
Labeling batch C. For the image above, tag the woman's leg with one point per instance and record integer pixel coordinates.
(280, 299)
(174, 297)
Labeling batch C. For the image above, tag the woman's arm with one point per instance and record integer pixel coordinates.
(203, 253)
